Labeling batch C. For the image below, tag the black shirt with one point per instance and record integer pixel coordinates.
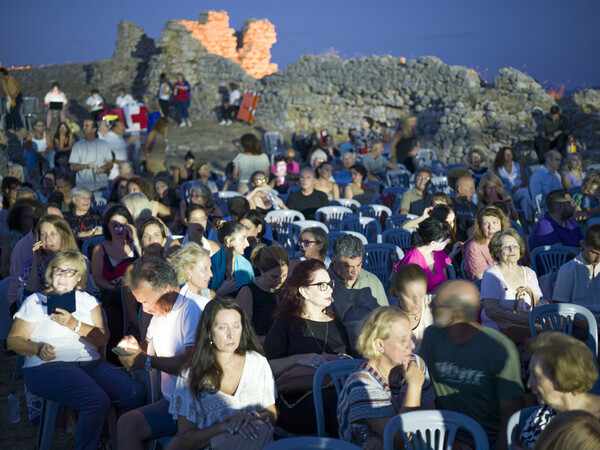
(291, 335)
(465, 218)
(263, 307)
(307, 204)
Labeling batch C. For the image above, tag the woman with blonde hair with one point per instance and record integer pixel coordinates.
(491, 190)
(61, 349)
(391, 380)
(476, 252)
(562, 372)
(138, 206)
(259, 298)
(192, 266)
(141, 185)
(573, 174)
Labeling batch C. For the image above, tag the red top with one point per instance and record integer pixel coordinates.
(181, 95)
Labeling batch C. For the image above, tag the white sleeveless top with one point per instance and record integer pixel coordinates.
(40, 145)
(514, 177)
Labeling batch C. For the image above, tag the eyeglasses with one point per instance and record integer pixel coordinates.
(306, 243)
(260, 180)
(419, 178)
(322, 286)
(510, 247)
(58, 272)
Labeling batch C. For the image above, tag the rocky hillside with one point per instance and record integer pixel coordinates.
(457, 110)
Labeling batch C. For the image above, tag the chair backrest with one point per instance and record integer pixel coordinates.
(367, 226)
(338, 371)
(432, 429)
(400, 237)
(222, 197)
(89, 244)
(398, 177)
(30, 105)
(397, 220)
(294, 188)
(517, 422)
(347, 202)
(310, 443)
(451, 272)
(380, 259)
(440, 184)
(332, 216)
(295, 230)
(379, 185)
(551, 257)
(517, 226)
(425, 156)
(593, 167)
(280, 219)
(374, 211)
(533, 168)
(560, 317)
(186, 186)
(273, 141)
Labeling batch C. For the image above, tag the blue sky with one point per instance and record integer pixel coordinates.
(555, 41)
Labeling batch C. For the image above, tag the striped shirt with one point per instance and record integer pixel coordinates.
(367, 395)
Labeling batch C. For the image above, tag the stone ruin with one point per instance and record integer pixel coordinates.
(457, 111)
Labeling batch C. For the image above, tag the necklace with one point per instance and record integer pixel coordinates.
(324, 346)
(417, 316)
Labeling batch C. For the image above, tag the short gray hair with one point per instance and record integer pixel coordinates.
(80, 191)
(348, 246)
(157, 272)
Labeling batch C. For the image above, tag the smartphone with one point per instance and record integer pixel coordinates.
(64, 301)
(120, 351)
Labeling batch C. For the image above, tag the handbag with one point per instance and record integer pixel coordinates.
(227, 441)
(300, 378)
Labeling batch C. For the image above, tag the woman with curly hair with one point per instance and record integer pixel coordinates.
(306, 333)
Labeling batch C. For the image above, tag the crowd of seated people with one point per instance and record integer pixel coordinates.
(192, 275)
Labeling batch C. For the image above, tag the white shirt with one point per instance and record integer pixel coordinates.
(97, 152)
(170, 335)
(119, 147)
(167, 89)
(493, 285)
(68, 345)
(52, 97)
(255, 392)
(234, 97)
(94, 102)
(578, 282)
(123, 101)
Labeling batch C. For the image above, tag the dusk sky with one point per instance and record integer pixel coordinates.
(555, 41)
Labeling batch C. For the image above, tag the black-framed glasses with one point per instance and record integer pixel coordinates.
(69, 273)
(305, 242)
(322, 286)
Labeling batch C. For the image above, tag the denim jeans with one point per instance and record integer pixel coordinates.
(182, 109)
(88, 387)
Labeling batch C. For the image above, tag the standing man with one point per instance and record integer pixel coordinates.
(475, 370)
(464, 209)
(118, 145)
(91, 159)
(13, 98)
(169, 343)
(357, 292)
(555, 130)
(307, 200)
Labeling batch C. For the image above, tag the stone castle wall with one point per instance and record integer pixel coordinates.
(457, 111)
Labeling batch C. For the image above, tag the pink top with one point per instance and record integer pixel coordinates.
(440, 259)
(292, 167)
(477, 258)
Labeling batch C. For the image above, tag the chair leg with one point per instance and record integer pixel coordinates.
(18, 366)
(47, 422)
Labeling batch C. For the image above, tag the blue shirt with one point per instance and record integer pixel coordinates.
(548, 232)
(543, 182)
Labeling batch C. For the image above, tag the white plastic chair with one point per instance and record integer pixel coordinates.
(374, 211)
(295, 230)
(367, 226)
(425, 157)
(280, 219)
(273, 141)
(440, 184)
(223, 197)
(29, 111)
(432, 429)
(332, 216)
(379, 259)
(398, 177)
(347, 202)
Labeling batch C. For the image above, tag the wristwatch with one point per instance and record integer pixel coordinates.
(148, 365)
(78, 327)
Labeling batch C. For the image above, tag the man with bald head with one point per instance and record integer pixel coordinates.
(464, 209)
(475, 370)
(307, 200)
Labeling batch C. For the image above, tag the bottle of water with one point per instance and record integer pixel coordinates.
(14, 412)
